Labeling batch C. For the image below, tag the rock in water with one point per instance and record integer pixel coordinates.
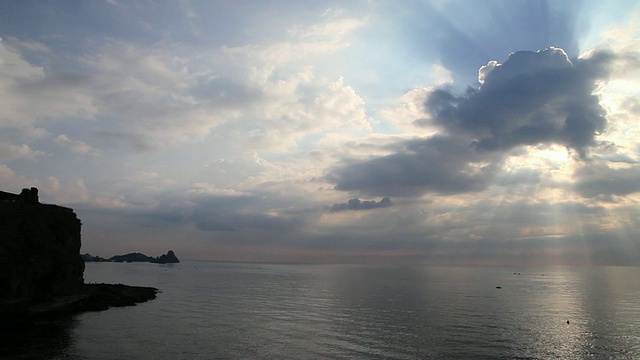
(131, 257)
(169, 258)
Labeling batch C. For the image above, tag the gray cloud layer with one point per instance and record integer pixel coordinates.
(233, 213)
(533, 98)
(603, 181)
(440, 164)
(357, 204)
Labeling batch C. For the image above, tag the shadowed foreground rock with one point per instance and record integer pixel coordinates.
(41, 270)
(24, 312)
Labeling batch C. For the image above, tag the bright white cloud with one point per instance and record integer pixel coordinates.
(76, 146)
(410, 111)
(172, 93)
(30, 94)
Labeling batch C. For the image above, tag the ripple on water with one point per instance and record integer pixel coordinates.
(244, 311)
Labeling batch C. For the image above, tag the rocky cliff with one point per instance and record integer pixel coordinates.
(169, 258)
(41, 270)
(39, 248)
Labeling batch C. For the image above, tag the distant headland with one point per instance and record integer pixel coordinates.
(168, 258)
(41, 270)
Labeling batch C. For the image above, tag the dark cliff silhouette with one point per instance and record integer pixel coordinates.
(41, 270)
(39, 247)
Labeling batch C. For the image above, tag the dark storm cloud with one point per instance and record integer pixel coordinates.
(440, 164)
(533, 98)
(357, 204)
(603, 181)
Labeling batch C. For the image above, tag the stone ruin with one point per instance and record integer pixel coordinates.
(28, 196)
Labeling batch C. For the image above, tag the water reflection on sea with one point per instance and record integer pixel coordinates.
(246, 311)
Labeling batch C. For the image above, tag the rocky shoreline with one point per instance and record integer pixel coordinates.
(41, 270)
(92, 297)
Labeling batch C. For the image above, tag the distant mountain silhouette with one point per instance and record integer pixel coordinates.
(168, 258)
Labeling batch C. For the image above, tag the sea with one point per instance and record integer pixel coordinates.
(216, 310)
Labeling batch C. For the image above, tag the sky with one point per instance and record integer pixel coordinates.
(367, 131)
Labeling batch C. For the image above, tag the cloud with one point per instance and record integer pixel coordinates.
(13, 182)
(439, 164)
(223, 125)
(602, 181)
(263, 94)
(332, 33)
(73, 192)
(137, 142)
(235, 213)
(296, 107)
(534, 98)
(10, 152)
(29, 93)
(410, 112)
(209, 189)
(51, 190)
(357, 204)
(464, 34)
(76, 146)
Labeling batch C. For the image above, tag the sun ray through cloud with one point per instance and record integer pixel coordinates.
(461, 132)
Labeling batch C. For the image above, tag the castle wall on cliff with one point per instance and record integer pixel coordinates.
(39, 247)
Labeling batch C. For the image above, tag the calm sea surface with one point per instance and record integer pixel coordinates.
(213, 310)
